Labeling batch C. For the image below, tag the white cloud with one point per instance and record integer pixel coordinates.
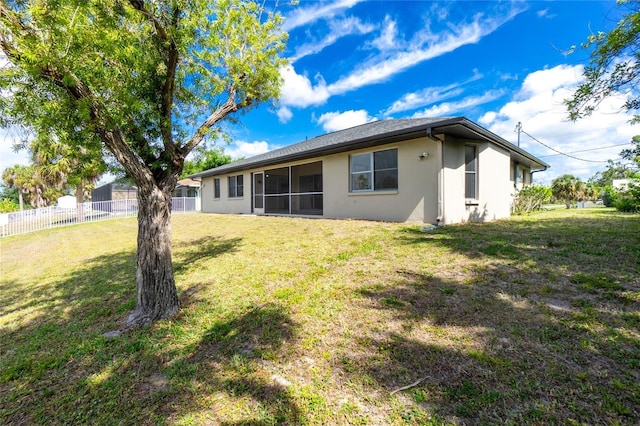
(429, 95)
(298, 91)
(539, 106)
(538, 82)
(387, 38)
(284, 114)
(424, 97)
(424, 46)
(334, 121)
(337, 29)
(544, 13)
(306, 15)
(240, 149)
(465, 104)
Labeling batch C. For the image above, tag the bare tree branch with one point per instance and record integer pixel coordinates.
(230, 106)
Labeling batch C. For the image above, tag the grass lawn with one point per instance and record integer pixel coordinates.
(530, 320)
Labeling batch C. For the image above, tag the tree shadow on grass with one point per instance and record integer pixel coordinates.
(575, 244)
(188, 254)
(55, 365)
(233, 360)
(525, 335)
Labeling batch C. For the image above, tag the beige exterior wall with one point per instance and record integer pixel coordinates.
(494, 187)
(417, 198)
(453, 181)
(224, 204)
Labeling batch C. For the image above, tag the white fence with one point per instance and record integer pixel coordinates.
(26, 221)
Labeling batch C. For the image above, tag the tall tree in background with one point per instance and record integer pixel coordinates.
(633, 154)
(152, 79)
(32, 187)
(614, 67)
(66, 161)
(567, 188)
(14, 177)
(205, 159)
(614, 170)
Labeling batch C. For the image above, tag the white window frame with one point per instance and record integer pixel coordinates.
(371, 172)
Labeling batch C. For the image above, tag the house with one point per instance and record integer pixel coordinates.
(121, 189)
(187, 188)
(67, 202)
(430, 170)
(621, 184)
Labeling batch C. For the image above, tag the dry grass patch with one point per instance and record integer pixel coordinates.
(298, 321)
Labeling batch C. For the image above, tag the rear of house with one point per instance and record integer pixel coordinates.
(430, 170)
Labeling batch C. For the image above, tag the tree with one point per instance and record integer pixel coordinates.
(205, 160)
(31, 187)
(567, 188)
(613, 171)
(629, 200)
(152, 80)
(9, 199)
(633, 154)
(65, 161)
(12, 177)
(614, 66)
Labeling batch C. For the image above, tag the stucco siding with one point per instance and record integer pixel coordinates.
(495, 189)
(224, 204)
(453, 181)
(415, 199)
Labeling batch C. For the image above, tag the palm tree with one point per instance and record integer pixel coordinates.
(16, 177)
(66, 163)
(567, 188)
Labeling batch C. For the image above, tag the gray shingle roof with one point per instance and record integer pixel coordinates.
(366, 135)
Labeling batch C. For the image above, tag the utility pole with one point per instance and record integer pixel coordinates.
(519, 130)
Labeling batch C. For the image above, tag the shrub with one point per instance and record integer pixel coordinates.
(629, 200)
(7, 205)
(530, 198)
(609, 196)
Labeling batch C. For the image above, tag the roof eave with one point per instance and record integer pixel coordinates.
(503, 143)
(395, 136)
(369, 141)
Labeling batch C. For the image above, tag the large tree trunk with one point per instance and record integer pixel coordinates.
(157, 296)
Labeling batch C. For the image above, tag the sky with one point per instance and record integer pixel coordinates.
(495, 62)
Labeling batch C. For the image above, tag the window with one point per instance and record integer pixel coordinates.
(471, 172)
(236, 188)
(374, 171)
(216, 188)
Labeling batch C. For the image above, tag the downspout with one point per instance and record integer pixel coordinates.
(440, 219)
(536, 171)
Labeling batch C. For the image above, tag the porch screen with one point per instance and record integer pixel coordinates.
(294, 190)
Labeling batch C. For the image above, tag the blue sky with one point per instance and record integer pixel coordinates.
(495, 62)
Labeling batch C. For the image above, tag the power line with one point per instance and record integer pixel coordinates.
(560, 152)
(587, 150)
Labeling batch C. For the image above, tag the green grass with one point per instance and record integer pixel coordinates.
(529, 320)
